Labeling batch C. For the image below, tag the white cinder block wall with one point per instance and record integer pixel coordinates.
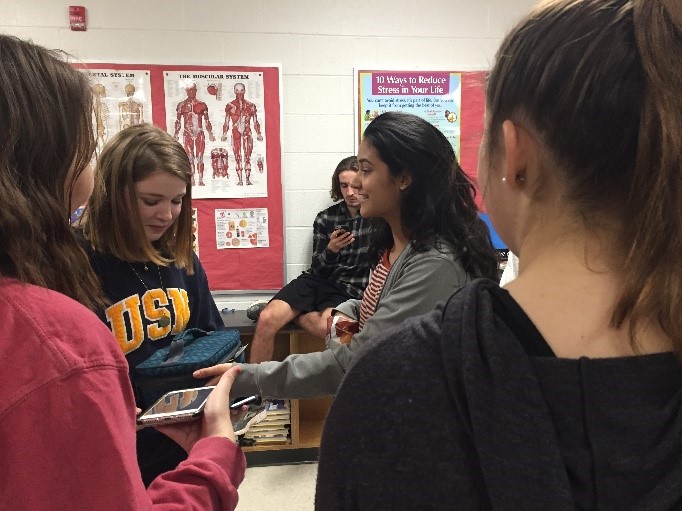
(316, 42)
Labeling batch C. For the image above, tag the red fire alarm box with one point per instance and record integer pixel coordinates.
(77, 17)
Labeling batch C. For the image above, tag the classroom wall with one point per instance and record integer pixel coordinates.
(316, 42)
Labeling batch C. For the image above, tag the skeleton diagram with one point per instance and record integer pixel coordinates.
(100, 114)
(240, 112)
(192, 112)
(130, 111)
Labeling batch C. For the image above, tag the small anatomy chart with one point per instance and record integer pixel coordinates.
(241, 228)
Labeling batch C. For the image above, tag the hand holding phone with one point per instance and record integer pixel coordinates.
(216, 420)
(340, 238)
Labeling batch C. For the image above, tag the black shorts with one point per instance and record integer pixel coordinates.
(309, 293)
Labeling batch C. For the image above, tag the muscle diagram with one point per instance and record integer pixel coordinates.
(219, 162)
(191, 114)
(240, 113)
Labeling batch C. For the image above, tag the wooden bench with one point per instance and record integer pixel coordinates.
(307, 415)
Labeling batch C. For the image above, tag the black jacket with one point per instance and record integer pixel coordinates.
(449, 411)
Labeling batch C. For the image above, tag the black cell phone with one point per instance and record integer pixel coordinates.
(245, 401)
(343, 227)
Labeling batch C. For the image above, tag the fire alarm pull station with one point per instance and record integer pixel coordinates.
(77, 17)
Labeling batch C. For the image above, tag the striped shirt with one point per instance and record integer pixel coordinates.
(350, 267)
(374, 288)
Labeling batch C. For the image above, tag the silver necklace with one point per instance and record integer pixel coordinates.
(164, 320)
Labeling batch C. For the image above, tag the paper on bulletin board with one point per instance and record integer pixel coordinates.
(242, 271)
(453, 101)
(219, 117)
(241, 228)
(435, 96)
(120, 98)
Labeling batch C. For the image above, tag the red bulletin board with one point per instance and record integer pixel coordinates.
(426, 93)
(473, 110)
(231, 269)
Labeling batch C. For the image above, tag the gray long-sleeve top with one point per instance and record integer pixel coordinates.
(416, 282)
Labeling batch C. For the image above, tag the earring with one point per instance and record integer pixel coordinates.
(504, 179)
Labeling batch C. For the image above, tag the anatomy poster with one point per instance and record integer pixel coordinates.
(120, 98)
(219, 118)
(241, 228)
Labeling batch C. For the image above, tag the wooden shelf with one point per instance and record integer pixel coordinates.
(307, 415)
(261, 448)
(310, 432)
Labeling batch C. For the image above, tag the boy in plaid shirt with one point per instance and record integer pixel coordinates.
(339, 269)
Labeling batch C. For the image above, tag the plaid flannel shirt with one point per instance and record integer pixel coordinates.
(350, 267)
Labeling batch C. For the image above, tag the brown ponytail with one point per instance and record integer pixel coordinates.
(653, 284)
(600, 81)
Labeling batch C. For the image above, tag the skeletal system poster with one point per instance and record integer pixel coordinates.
(219, 118)
(120, 98)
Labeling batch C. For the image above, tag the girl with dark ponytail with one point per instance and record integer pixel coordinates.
(564, 389)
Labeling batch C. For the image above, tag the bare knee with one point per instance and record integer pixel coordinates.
(275, 316)
(267, 317)
(315, 322)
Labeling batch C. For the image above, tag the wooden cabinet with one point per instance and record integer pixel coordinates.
(307, 415)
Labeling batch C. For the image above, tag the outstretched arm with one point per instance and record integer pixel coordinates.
(423, 283)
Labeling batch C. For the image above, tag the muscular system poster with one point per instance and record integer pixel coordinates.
(219, 118)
